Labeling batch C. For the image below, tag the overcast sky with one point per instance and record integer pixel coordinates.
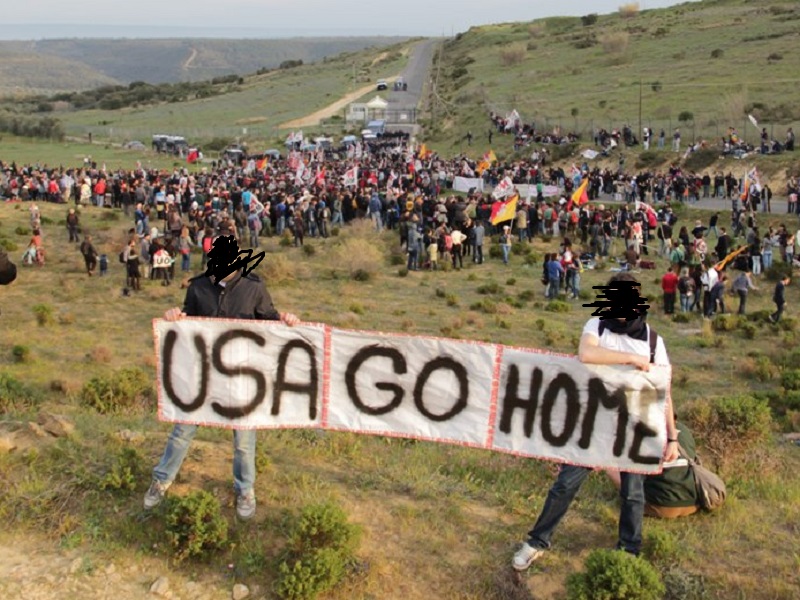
(277, 18)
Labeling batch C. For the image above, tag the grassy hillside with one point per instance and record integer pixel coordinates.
(259, 103)
(451, 516)
(48, 66)
(714, 60)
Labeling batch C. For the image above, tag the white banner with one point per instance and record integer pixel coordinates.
(465, 184)
(261, 374)
(529, 191)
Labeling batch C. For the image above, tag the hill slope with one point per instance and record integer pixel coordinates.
(710, 62)
(78, 64)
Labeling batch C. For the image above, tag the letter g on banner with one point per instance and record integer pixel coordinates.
(361, 357)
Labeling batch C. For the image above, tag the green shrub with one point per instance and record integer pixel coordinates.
(451, 299)
(440, 292)
(194, 525)
(321, 549)
(14, 394)
(286, 241)
(531, 259)
(684, 585)
(495, 251)
(127, 472)
(521, 248)
(44, 314)
(661, 546)
(22, 231)
(403, 272)
(8, 245)
(109, 216)
(335, 231)
(511, 281)
(490, 288)
(558, 306)
(681, 317)
(486, 306)
(357, 308)
(748, 329)
(731, 425)
(126, 389)
(20, 353)
(309, 250)
(790, 380)
(361, 275)
(650, 158)
(397, 259)
(526, 295)
(615, 575)
(725, 322)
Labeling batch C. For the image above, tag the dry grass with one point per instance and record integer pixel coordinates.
(513, 54)
(615, 42)
(732, 106)
(535, 30)
(629, 10)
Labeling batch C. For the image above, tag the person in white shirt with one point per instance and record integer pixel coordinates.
(606, 341)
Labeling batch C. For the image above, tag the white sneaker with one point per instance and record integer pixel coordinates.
(525, 556)
(155, 494)
(246, 505)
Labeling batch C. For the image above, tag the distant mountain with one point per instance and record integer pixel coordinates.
(46, 66)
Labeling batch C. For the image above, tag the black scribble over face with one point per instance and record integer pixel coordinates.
(225, 257)
(619, 300)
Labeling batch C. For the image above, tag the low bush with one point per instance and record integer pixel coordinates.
(521, 248)
(526, 295)
(650, 158)
(731, 425)
(513, 54)
(725, 322)
(684, 585)
(194, 525)
(511, 281)
(8, 245)
(495, 251)
(402, 272)
(15, 395)
(790, 380)
(44, 314)
(127, 472)
(22, 230)
(702, 159)
(611, 574)
(126, 389)
(778, 271)
(21, 353)
(615, 42)
(490, 288)
(682, 317)
(558, 306)
(359, 257)
(309, 250)
(321, 549)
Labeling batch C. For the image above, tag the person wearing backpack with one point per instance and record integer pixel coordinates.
(606, 341)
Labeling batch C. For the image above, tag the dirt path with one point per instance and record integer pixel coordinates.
(331, 109)
(34, 569)
(190, 60)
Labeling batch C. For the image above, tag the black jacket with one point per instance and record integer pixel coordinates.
(8, 270)
(240, 298)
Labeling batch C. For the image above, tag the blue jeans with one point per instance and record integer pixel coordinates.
(185, 262)
(766, 259)
(244, 456)
(685, 302)
(506, 249)
(563, 491)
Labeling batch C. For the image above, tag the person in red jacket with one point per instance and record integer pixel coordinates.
(669, 284)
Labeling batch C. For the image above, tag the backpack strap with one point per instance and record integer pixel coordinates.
(653, 343)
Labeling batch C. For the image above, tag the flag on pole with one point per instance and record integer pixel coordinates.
(262, 164)
(350, 178)
(490, 156)
(753, 121)
(503, 189)
(424, 152)
(372, 179)
(579, 196)
(319, 180)
(193, 155)
(504, 211)
(511, 119)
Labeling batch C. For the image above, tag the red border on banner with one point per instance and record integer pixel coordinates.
(498, 362)
(326, 376)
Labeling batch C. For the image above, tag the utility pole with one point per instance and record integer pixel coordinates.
(640, 107)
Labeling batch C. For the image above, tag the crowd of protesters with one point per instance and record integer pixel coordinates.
(400, 189)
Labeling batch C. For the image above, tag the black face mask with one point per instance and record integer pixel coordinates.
(636, 328)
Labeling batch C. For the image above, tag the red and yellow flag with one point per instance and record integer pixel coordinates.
(504, 211)
(262, 164)
(580, 196)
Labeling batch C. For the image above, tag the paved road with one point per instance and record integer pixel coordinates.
(416, 73)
